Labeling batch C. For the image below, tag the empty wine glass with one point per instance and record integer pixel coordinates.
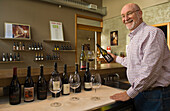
(55, 86)
(74, 81)
(91, 56)
(96, 83)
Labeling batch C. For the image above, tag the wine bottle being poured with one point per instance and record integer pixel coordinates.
(104, 53)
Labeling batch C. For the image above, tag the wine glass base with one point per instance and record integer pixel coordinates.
(74, 98)
(55, 104)
(95, 98)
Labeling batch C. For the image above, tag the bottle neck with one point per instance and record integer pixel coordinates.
(76, 71)
(14, 73)
(65, 69)
(87, 67)
(29, 71)
(41, 71)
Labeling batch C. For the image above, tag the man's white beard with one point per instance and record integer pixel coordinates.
(133, 23)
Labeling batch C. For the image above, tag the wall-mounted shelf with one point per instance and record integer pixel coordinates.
(27, 50)
(56, 41)
(6, 62)
(3, 38)
(63, 50)
(46, 60)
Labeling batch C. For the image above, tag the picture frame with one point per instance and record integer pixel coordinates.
(114, 38)
(56, 30)
(17, 31)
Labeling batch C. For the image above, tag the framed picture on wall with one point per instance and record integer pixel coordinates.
(114, 38)
(16, 30)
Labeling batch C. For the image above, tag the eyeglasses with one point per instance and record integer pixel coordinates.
(129, 13)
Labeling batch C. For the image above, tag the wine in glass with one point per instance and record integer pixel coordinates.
(91, 57)
(96, 83)
(74, 81)
(55, 84)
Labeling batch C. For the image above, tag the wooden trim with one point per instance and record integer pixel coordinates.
(168, 31)
(76, 38)
(89, 28)
(87, 17)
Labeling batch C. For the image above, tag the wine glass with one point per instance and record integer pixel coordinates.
(96, 83)
(90, 56)
(55, 86)
(74, 81)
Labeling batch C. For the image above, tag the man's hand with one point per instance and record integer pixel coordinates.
(120, 96)
(114, 56)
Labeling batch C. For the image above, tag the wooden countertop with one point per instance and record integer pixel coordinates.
(84, 104)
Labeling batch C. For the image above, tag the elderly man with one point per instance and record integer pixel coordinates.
(147, 62)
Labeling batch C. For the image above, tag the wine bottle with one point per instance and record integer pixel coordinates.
(29, 87)
(55, 73)
(41, 86)
(20, 46)
(3, 58)
(38, 46)
(87, 79)
(55, 47)
(42, 56)
(14, 46)
(78, 90)
(14, 89)
(104, 53)
(35, 46)
(18, 57)
(7, 57)
(82, 59)
(17, 46)
(23, 46)
(41, 47)
(65, 81)
(10, 57)
(15, 58)
(36, 57)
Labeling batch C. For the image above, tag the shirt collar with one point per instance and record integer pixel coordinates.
(131, 34)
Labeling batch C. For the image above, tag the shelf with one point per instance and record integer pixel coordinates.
(3, 38)
(27, 50)
(6, 62)
(46, 60)
(56, 41)
(63, 50)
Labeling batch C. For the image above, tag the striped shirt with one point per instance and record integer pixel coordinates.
(147, 60)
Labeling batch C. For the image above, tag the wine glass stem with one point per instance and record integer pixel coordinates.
(74, 91)
(95, 90)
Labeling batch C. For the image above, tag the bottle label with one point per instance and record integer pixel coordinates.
(88, 85)
(66, 88)
(82, 64)
(42, 91)
(108, 58)
(15, 97)
(56, 85)
(29, 94)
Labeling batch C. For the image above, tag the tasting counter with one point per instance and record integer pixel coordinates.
(83, 104)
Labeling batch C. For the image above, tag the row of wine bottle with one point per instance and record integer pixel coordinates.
(10, 57)
(21, 46)
(42, 85)
(62, 47)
